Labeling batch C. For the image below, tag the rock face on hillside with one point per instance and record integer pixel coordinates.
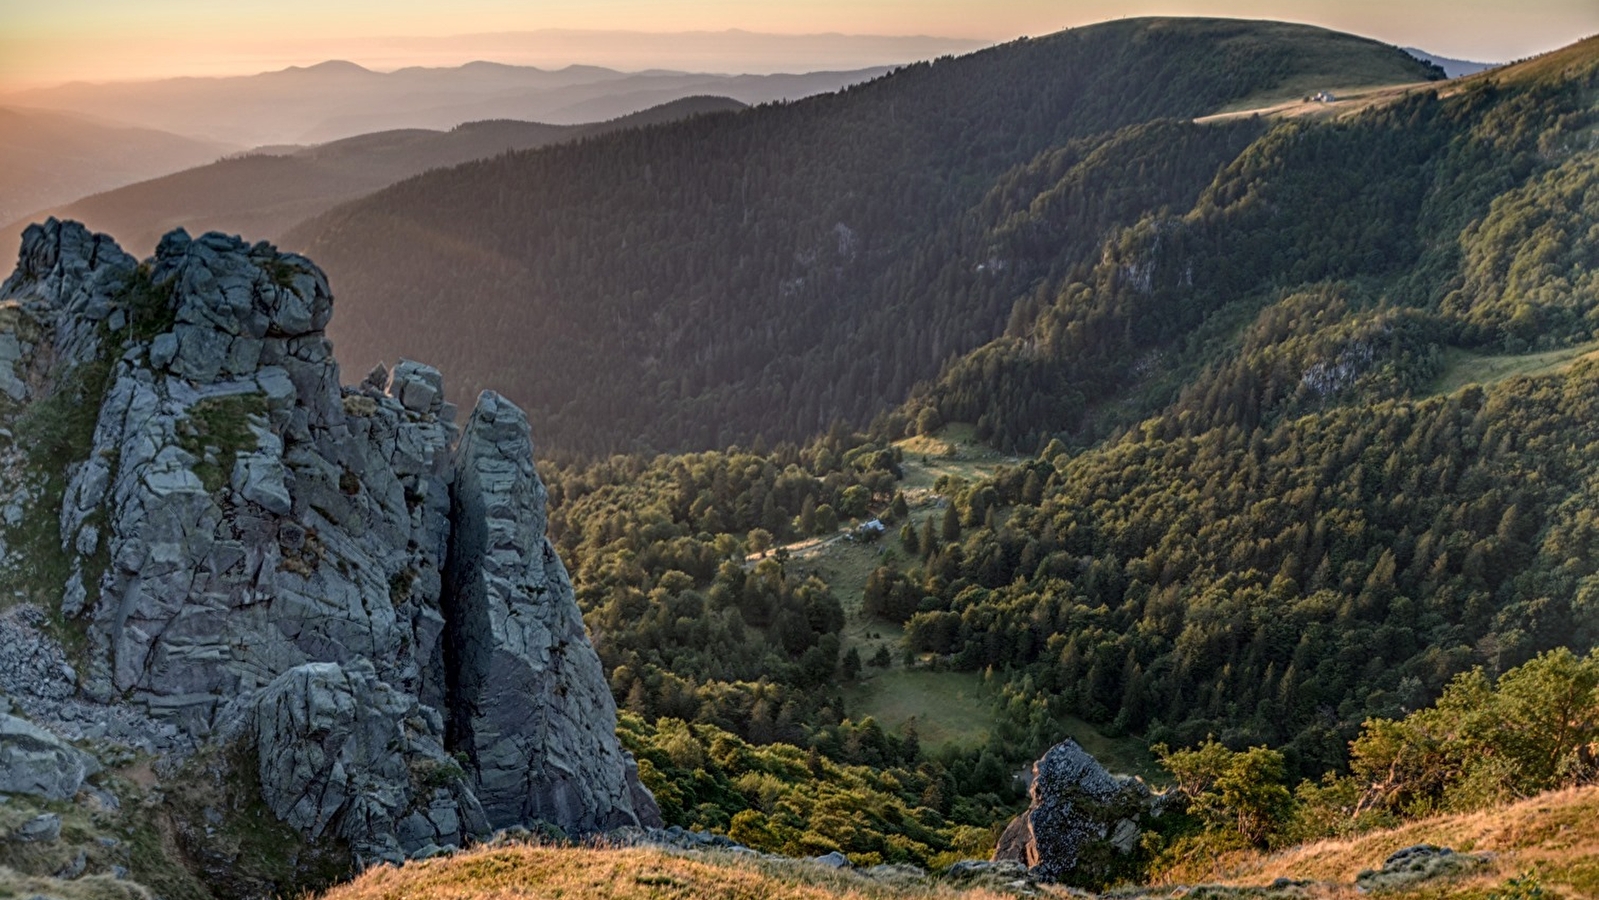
(333, 578)
(1081, 819)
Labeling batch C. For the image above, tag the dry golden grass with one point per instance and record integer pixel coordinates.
(1555, 835)
(546, 873)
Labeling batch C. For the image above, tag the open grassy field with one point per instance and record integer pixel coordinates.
(1293, 105)
(1462, 367)
(947, 707)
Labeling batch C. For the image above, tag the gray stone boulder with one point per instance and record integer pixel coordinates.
(1080, 821)
(1411, 866)
(418, 387)
(43, 828)
(340, 751)
(39, 764)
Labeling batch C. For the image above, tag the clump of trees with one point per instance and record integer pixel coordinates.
(1485, 742)
(859, 790)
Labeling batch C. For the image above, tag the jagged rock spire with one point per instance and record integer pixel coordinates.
(258, 554)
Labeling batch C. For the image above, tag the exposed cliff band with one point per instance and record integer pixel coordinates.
(254, 553)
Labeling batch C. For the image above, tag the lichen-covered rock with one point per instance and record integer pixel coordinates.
(43, 828)
(256, 554)
(529, 702)
(1413, 865)
(37, 763)
(1080, 820)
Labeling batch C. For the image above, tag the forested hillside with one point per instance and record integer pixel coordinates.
(1246, 519)
(1318, 263)
(694, 284)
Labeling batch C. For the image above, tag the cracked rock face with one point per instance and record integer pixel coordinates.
(256, 553)
(529, 702)
(1080, 814)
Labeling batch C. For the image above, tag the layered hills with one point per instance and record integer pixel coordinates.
(338, 99)
(265, 192)
(48, 157)
(1287, 502)
(705, 282)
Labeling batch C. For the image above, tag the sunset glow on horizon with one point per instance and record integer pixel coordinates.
(106, 40)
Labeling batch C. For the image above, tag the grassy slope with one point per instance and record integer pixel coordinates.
(1462, 367)
(1550, 837)
(527, 872)
(1358, 64)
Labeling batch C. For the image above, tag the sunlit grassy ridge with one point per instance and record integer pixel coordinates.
(528, 872)
(1548, 842)
(1462, 367)
(1553, 837)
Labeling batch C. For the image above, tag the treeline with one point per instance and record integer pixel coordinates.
(1485, 742)
(866, 793)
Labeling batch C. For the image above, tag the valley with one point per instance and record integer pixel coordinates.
(1081, 467)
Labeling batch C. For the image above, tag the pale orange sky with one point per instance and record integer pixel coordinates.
(98, 40)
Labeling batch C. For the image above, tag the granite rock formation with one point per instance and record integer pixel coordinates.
(334, 578)
(1081, 818)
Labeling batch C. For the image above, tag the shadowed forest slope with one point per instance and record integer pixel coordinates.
(699, 283)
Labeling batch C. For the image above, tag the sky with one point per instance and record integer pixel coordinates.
(44, 43)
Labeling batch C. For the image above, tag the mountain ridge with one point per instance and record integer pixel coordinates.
(264, 193)
(868, 229)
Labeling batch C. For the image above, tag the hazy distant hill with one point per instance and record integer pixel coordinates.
(1454, 68)
(697, 283)
(262, 194)
(48, 158)
(336, 99)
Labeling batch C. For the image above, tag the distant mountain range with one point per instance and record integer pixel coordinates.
(336, 99)
(264, 192)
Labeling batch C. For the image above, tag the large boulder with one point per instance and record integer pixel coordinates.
(1082, 820)
(339, 750)
(37, 763)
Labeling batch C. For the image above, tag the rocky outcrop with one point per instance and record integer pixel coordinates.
(1410, 866)
(340, 751)
(39, 764)
(255, 555)
(1081, 820)
(528, 700)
